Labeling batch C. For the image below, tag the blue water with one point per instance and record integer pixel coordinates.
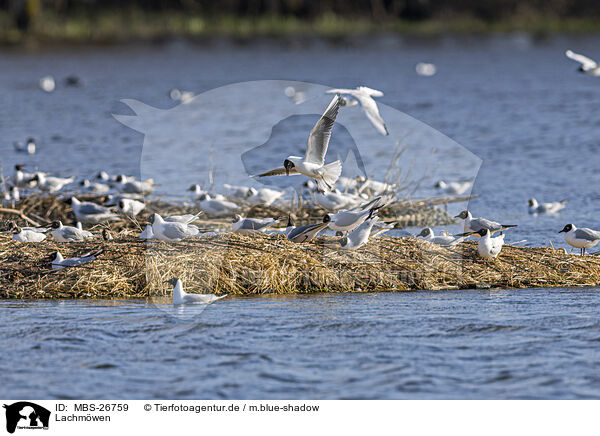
(467, 344)
(513, 101)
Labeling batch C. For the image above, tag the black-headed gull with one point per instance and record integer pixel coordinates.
(250, 225)
(182, 297)
(27, 235)
(22, 178)
(263, 197)
(62, 233)
(51, 184)
(58, 262)
(359, 236)
(171, 231)
(580, 238)
(28, 147)
(216, 207)
(444, 240)
(130, 207)
(456, 188)
(95, 187)
(473, 225)
(489, 247)
(313, 162)
(91, 213)
(545, 208)
(588, 66)
(365, 96)
(303, 233)
(133, 186)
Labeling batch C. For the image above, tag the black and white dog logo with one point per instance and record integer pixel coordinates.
(26, 415)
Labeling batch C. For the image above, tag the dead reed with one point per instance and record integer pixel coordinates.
(237, 264)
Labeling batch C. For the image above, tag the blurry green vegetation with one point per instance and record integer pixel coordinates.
(130, 24)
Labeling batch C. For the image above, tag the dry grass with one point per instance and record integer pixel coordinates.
(237, 264)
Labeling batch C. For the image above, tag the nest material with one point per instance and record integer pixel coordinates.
(42, 209)
(257, 264)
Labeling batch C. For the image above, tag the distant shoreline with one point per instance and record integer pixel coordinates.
(134, 26)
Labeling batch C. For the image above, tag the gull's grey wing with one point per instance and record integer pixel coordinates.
(92, 209)
(306, 232)
(372, 113)
(481, 223)
(250, 224)
(318, 140)
(344, 219)
(587, 234)
(72, 233)
(341, 91)
(277, 172)
(585, 62)
(176, 231)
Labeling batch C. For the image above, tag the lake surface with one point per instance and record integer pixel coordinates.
(467, 344)
(527, 126)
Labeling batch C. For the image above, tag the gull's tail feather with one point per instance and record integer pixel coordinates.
(331, 172)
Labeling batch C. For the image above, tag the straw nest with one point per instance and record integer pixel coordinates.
(257, 264)
(41, 209)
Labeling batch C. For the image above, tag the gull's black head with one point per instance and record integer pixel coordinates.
(122, 204)
(120, 178)
(482, 232)
(69, 200)
(425, 232)
(288, 165)
(151, 219)
(290, 223)
(531, 202)
(202, 197)
(567, 228)
(36, 178)
(580, 69)
(172, 281)
(30, 140)
(55, 224)
(19, 167)
(237, 218)
(326, 218)
(194, 187)
(438, 185)
(463, 215)
(53, 256)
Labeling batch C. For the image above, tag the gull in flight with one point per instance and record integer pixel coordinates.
(545, 208)
(444, 240)
(313, 162)
(580, 238)
(365, 96)
(69, 234)
(249, 225)
(303, 233)
(171, 231)
(473, 225)
(90, 213)
(58, 262)
(588, 66)
(182, 297)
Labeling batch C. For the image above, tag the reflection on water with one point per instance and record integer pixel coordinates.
(468, 344)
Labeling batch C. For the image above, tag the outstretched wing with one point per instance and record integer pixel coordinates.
(341, 91)
(318, 140)
(372, 113)
(277, 172)
(586, 63)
